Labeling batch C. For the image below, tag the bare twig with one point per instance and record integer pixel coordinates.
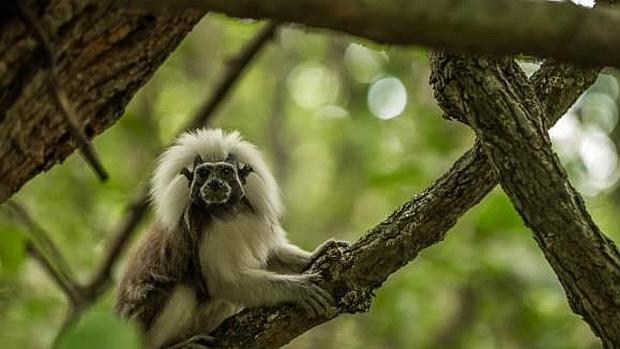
(68, 286)
(58, 93)
(232, 74)
(131, 219)
(43, 249)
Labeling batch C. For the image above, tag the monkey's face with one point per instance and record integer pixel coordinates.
(216, 184)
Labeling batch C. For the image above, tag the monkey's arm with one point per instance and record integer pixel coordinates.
(288, 258)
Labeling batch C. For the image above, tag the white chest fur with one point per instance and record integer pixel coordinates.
(234, 246)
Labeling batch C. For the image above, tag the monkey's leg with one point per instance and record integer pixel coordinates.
(175, 319)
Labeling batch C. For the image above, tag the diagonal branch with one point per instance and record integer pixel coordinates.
(500, 105)
(547, 29)
(423, 221)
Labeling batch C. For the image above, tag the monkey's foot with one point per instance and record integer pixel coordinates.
(199, 341)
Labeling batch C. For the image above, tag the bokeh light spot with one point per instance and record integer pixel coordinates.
(313, 85)
(362, 63)
(387, 97)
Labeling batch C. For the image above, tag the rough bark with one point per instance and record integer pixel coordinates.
(498, 102)
(423, 221)
(103, 56)
(540, 28)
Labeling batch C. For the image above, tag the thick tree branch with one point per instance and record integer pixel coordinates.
(103, 55)
(352, 275)
(539, 28)
(500, 105)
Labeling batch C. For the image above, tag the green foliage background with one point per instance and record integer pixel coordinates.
(342, 170)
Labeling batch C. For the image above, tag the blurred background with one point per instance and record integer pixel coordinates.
(351, 130)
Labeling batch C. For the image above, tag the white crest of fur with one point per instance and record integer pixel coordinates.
(170, 190)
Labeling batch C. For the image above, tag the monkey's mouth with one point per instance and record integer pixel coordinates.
(216, 192)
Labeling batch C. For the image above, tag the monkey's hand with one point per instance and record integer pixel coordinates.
(326, 246)
(316, 301)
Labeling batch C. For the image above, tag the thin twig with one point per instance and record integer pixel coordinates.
(70, 288)
(40, 237)
(131, 219)
(43, 249)
(55, 88)
(232, 74)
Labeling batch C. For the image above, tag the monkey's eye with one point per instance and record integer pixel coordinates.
(226, 171)
(203, 171)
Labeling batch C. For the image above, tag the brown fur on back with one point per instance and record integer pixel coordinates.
(161, 261)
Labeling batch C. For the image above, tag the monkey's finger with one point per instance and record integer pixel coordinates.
(326, 306)
(329, 299)
(317, 308)
(314, 277)
(308, 308)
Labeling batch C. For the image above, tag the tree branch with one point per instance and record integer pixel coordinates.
(546, 29)
(500, 105)
(103, 56)
(423, 221)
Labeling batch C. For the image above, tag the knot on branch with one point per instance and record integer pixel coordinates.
(356, 300)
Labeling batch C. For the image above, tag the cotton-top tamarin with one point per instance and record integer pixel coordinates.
(217, 246)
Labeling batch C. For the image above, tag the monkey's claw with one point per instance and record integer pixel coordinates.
(199, 341)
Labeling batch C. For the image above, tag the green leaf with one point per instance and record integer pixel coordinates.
(100, 330)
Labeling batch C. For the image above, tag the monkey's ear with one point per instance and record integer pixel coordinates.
(197, 161)
(244, 172)
(190, 176)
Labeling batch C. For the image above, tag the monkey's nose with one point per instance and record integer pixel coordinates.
(215, 185)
